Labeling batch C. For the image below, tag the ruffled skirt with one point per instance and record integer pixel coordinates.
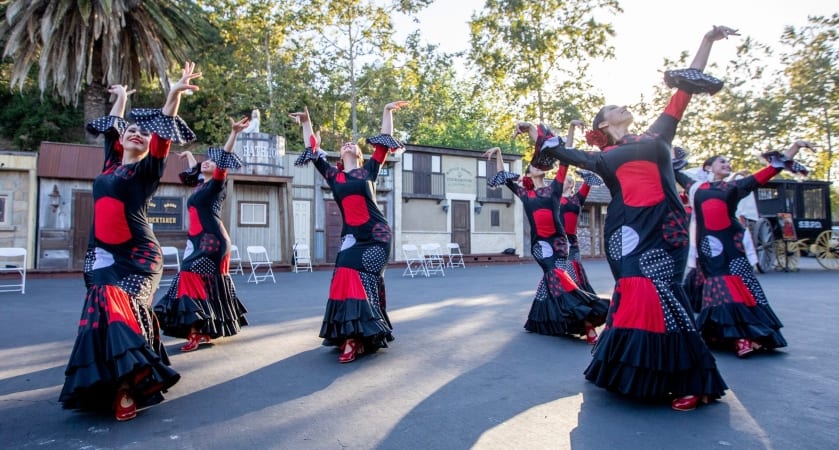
(561, 308)
(118, 343)
(207, 302)
(731, 311)
(356, 309)
(650, 348)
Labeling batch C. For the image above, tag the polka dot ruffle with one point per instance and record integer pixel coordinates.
(105, 123)
(170, 128)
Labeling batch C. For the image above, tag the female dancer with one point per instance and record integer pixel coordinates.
(118, 359)
(650, 347)
(734, 308)
(201, 303)
(570, 209)
(356, 314)
(560, 307)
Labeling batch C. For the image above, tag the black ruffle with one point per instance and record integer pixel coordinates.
(779, 160)
(354, 319)
(224, 159)
(590, 178)
(167, 127)
(308, 155)
(502, 178)
(105, 357)
(221, 314)
(543, 160)
(693, 81)
(731, 321)
(103, 124)
(564, 313)
(385, 140)
(654, 366)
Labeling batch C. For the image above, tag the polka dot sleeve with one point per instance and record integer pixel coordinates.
(169, 128)
(224, 159)
(105, 124)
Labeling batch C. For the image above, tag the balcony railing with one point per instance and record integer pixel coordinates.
(498, 195)
(423, 185)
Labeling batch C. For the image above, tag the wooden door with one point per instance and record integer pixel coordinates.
(422, 173)
(333, 225)
(461, 225)
(82, 226)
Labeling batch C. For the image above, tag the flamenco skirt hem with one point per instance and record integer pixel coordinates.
(654, 366)
(219, 315)
(566, 313)
(354, 319)
(732, 321)
(101, 361)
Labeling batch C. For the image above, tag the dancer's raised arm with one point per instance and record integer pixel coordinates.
(173, 100)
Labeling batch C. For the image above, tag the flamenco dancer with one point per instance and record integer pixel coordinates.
(118, 360)
(202, 303)
(356, 314)
(570, 209)
(650, 347)
(734, 311)
(560, 307)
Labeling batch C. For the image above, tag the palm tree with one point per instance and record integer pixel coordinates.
(83, 46)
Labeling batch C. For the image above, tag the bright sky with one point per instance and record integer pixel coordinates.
(646, 33)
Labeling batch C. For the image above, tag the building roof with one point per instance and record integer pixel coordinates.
(454, 151)
(83, 162)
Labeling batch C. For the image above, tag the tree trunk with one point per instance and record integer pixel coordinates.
(95, 95)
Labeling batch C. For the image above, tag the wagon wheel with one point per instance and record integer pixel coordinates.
(826, 249)
(764, 245)
(787, 254)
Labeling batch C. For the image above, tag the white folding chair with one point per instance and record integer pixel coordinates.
(258, 259)
(413, 260)
(171, 261)
(433, 258)
(455, 255)
(235, 261)
(13, 259)
(302, 259)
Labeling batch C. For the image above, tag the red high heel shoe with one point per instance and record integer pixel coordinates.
(744, 347)
(591, 335)
(351, 349)
(124, 406)
(194, 340)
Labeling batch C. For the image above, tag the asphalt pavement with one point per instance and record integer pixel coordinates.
(462, 373)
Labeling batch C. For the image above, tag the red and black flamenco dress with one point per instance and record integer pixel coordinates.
(357, 304)
(569, 210)
(202, 295)
(734, 305)
(560, 307)
(118, 338)
(650, 347)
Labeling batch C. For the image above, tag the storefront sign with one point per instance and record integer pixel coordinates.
(166, 213)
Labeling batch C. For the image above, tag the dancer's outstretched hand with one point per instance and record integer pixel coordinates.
(488, 154)
(721, 32)
(798, 145)
(120, 90)
(300, 117)
(397, 105)
(237, 127)
(188, 74)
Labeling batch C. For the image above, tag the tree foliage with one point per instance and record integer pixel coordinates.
(537, 47)
(84, 46)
